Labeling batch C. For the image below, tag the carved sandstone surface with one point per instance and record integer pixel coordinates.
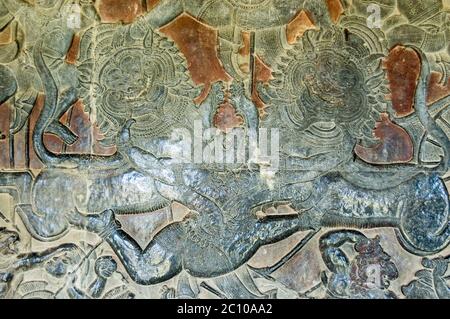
(198, 43)
(226, 118)
(257, 71)
(395, 144)
(72, 53)
(113, 11)
(224, 149)
(298, 26)
(89, 137)
(438, 88)
(335, 9)
(403, 69)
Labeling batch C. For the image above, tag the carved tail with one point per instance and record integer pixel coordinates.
(425, 117)
(372, 177)
(50, 113)
(425, 229)
(51, 102)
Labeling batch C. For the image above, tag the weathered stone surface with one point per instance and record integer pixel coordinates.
(4, 136)
(198, 43)
(226, 118)
(224, 149)
(72, 53)
(395, 145)
(403, 69)
(298, 26)
(438, 88)
(335, 9)
(113, 11)
(6, 35)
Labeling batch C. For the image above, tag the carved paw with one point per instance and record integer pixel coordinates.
(101, 222)
(75, 218)
(96, 223)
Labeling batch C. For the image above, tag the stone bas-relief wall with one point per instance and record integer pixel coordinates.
(115, 117)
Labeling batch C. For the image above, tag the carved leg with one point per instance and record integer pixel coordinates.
(44, 227)
(158, 262)
(175, 248)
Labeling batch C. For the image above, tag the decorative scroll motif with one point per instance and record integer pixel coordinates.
(103, 102)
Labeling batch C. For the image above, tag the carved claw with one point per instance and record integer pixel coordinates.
(441, 266)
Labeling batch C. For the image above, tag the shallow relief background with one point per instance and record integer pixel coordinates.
(351, 203)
